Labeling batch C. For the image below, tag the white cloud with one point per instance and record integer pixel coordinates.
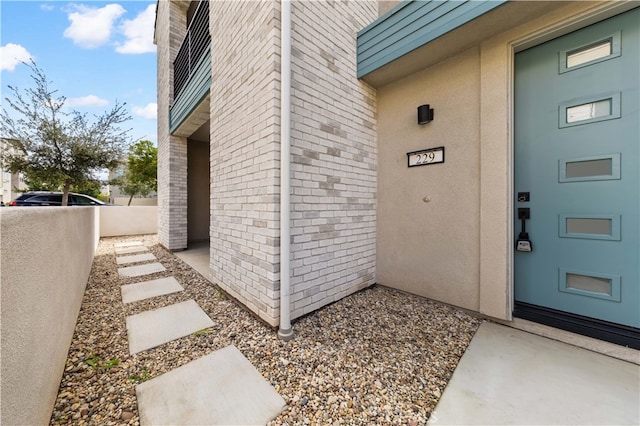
(86, 101)
(46, 7)
(149, 111)
(139, 32)
(12, 55)
(91, 27)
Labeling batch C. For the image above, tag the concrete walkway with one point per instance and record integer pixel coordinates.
(218, 389)
(197, 256)
(511, 377)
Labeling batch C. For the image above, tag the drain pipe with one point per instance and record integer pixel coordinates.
(286, 331)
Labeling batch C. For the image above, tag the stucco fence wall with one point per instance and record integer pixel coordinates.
(128, 220)
(45, 261)
(124, 201)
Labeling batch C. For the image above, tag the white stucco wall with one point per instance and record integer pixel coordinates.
(45, 261)
(128, 220)
(124, 201)
(428, 216)
(458, 246)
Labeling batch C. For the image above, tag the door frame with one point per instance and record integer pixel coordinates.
(556, 29)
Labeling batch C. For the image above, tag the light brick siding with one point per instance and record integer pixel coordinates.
(172, 151)
(333, 156)
(245, 153)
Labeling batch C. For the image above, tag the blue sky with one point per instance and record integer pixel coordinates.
(92, 52)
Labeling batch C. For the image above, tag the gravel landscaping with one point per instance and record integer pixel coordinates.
(376, 357)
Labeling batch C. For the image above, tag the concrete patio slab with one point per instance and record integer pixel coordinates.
(197, 256)
(139, 270)
(222, 388)
(129, 250)
(128, 244)
(122, 260)
(148, 289)
(510, 377)
(153, 328)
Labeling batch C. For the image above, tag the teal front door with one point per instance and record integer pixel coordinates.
(577, 185)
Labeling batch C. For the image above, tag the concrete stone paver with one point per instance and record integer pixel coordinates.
(147, 289)
(128, 244)
(135, 258)
(129, 250)
(153, 328)
(222, 388)
(140, 270)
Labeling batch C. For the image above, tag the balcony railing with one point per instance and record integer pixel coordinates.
(193, 47)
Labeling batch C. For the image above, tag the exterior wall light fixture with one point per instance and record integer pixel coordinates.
(425, 114)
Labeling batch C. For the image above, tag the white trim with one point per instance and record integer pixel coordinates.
(599, 12)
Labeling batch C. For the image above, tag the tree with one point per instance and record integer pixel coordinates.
(35, 184)
(141, 174)
(90, 187)
(62, 149)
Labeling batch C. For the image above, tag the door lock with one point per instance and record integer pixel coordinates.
(523, 243)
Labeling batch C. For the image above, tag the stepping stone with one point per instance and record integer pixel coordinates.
(135, 258)
(128, 244)
(148, 289)
(139, 270)
(221, 388)
(153, 328)
(128, 250)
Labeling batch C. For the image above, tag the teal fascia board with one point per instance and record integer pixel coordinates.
(413, 24)
(194, 91)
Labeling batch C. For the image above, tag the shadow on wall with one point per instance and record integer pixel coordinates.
(131, 220)
(45, 261)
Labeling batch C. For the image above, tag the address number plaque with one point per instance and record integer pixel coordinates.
(426, 156)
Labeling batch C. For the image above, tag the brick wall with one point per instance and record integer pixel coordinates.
(333, 153)
(244, 156)
(333, 156)
(172, 151)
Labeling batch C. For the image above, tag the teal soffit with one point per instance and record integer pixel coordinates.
(413, 24)
(194, 91)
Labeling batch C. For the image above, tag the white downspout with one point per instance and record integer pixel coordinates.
(285, 332)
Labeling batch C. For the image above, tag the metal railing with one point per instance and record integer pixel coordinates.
(193, 47)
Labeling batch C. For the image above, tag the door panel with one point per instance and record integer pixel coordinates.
(577, 137)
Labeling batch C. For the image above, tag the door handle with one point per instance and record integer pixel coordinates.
(523, 243)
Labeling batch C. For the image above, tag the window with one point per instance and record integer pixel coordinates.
(596, 167)
(589, 110)
(590, 54)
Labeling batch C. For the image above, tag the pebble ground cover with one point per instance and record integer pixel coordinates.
(379, 356)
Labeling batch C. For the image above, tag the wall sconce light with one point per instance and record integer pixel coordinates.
(425, 114)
